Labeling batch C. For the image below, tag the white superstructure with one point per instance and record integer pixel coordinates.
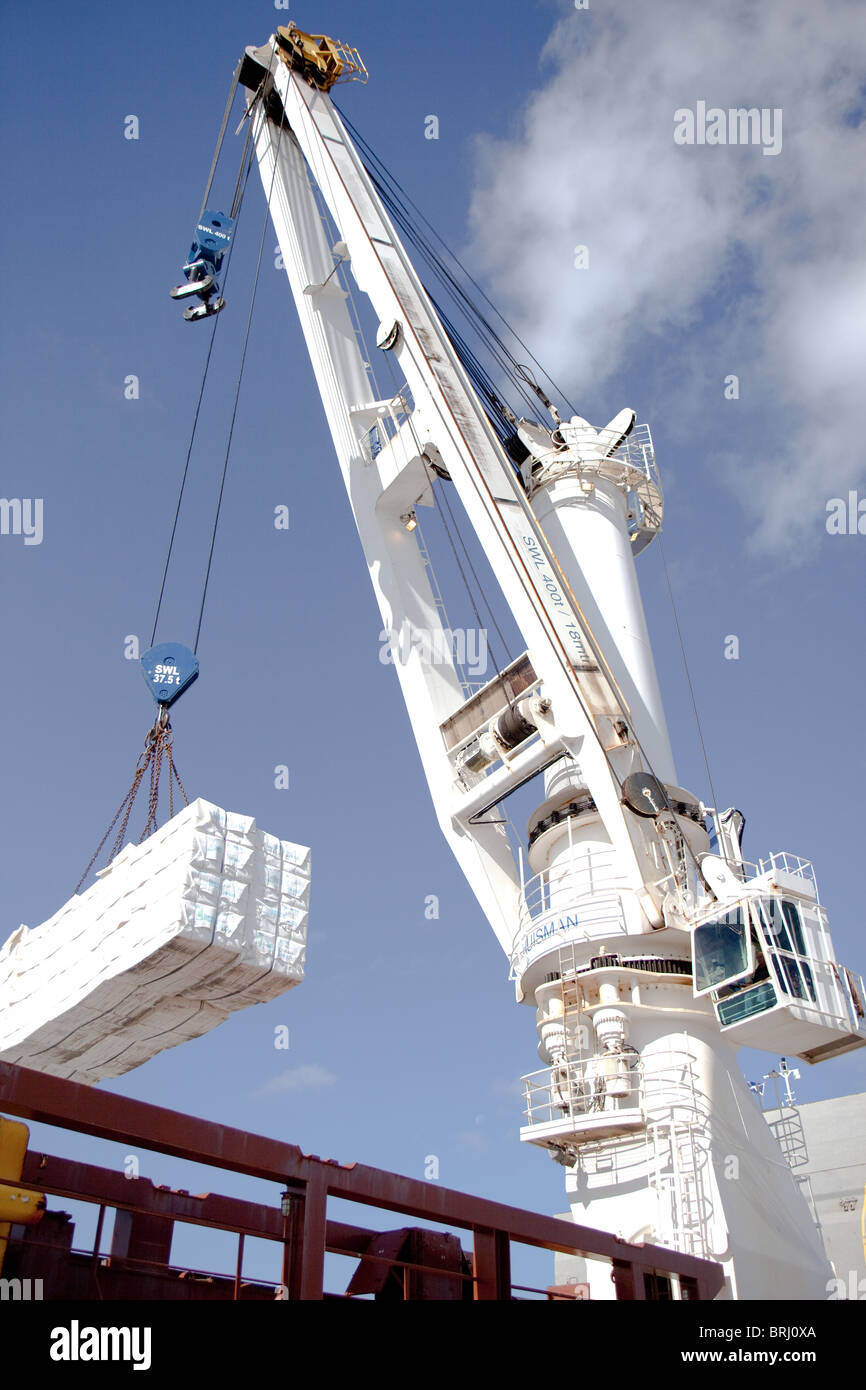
(649, 959)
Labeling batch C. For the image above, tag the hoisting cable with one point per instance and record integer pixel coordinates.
(432, 476)
(456, 529)
(237, 393)
(686, 669)
(471, 596)
(158, 748)
(497, 349)
(244, 167)
(397, 199)
(480, 587)
(229, 103)
(237, 204)
(502, 419)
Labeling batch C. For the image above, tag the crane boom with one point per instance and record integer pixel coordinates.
(649, 953)
(447, 424)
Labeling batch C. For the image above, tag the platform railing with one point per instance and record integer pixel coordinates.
(609, 1083)
(583, 886)
(781, 860)
(379, 435)
(577, 1088)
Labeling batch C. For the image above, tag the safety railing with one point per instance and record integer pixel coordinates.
(604, 1084)
(387, 426)
(638, 452)
(782, 862)
(789, 864)
(582, 888)
(595, 1092)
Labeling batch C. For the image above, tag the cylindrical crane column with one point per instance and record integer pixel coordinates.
(583, 516)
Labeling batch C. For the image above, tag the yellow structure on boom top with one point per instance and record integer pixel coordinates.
(323, 61)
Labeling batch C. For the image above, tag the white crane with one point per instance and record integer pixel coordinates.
(649, 954)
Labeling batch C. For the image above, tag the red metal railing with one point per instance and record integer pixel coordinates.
(423, 1263)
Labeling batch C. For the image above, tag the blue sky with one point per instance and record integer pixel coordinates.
(405, 1038)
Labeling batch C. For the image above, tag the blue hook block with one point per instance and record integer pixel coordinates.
(168, 670)
(213, 235)
(212, 238)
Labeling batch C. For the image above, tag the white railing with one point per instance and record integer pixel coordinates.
(387, 426)
(638, 452)
(606, 1084)
(749, 871)
(582, 887)
(575, 1089)
(645, 500)
(577, 877)
(632, 465)
(789, 864)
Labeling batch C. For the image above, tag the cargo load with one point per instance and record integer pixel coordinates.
(207, 916)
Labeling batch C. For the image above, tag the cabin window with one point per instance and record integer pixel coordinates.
(722, 950)
(786, 947)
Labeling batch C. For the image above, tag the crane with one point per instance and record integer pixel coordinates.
(649, 948)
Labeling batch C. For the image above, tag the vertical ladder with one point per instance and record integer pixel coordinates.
(677, 1167)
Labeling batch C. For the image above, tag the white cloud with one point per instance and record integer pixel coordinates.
(704, 260)
(510, 1087)
(309, 1076)
(473, 1140)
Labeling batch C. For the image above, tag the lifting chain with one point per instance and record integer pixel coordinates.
(158, 747)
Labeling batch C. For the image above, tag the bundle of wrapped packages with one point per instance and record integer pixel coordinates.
(207, 916)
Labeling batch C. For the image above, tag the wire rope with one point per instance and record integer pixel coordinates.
(237, 203)
(237, 394)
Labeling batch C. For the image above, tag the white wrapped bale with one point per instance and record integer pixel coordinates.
(207, 916)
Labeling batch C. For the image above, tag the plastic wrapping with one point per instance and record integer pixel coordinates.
(207, 916)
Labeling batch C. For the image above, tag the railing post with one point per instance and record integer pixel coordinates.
(628, 1280)
(491, 1263)
(97, 1241)
(305, 1232)
(239, 1265)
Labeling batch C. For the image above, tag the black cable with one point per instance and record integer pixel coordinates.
(369, 155)
(497, 348)
(238, 195)
(466, 583)
(220, 138)
(204, 376)
(481, 591)
(493, 344)
(237, 391)
(501, 419)
(182, 483)
(687, 671)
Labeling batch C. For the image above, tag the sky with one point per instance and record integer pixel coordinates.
(712, 287)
